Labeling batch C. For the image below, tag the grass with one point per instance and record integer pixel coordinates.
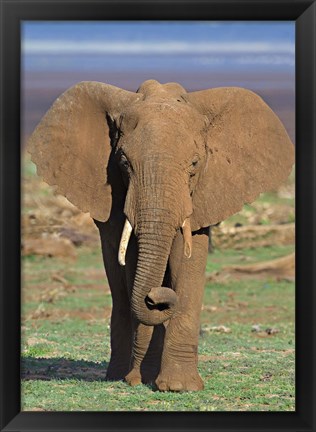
(65, 346)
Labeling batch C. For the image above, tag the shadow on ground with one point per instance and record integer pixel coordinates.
(60, 368)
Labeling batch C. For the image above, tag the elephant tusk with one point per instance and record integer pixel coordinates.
(126, 234)
(187, 236)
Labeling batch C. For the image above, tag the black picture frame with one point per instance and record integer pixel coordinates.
(12, 12)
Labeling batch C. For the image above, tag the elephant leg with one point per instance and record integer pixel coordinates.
(147, 340)
(180, 355)
(121, 323)
(147, 351)
(121, 337)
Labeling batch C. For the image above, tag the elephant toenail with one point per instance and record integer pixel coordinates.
(135, 382)
(176, 386)
(163, 386)
(193, 387)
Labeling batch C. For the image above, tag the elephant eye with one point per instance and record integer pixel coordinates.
(123, 161)
(195, 161)
(193, 165)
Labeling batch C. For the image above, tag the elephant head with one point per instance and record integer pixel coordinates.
(182, 160)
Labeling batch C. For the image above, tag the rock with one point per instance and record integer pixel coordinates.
(50, 246)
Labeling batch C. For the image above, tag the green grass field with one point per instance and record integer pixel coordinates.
(246, 347)
(65, 343)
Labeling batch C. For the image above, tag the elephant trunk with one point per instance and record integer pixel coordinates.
(151, 303)
(156, 208)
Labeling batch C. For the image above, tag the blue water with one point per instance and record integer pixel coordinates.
(158, 46)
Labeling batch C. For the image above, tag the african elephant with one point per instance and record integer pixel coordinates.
(156, 169)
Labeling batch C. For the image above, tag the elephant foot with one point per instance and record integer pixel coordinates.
(179, 380)
(115, 373)
(114, 376)
(133, 378)
(141, 376)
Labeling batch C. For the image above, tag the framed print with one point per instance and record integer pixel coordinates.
(162, 120)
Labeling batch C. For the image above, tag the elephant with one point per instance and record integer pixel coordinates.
(156, 168)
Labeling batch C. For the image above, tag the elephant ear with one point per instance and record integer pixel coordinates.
(249, 152)
(71, 145)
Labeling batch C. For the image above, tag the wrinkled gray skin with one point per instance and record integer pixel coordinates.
(171, 163)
